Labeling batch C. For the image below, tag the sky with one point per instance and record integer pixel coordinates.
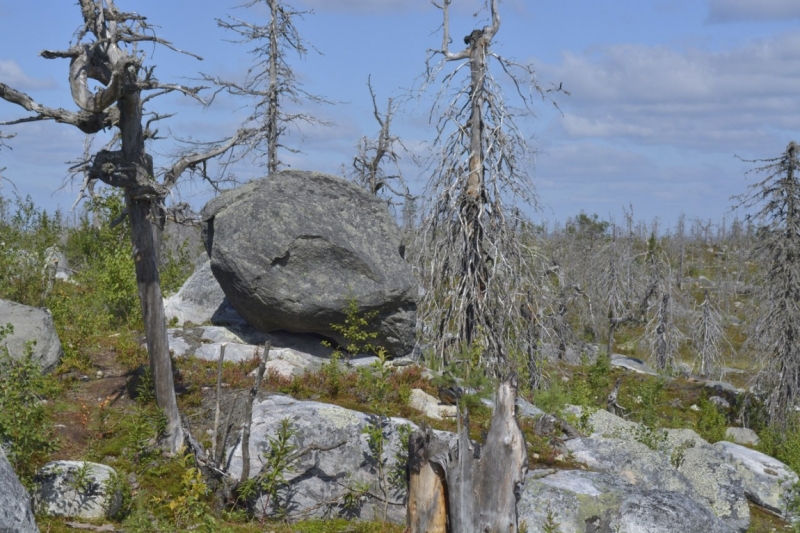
(666, 97)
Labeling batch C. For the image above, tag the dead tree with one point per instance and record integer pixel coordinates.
(4, 136)
(459, 486)
(271, 83)
(775, 333)
(709, 339)
(106, 52)
(470, 258)
(368, 170)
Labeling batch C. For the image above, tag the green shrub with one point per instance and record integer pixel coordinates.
(26, 428)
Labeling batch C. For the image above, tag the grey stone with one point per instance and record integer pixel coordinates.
(292, 249)
(16, 514)
(742, 436)
(720, 402)
(631, 363)
(577, 501)
(76, 489)
(766, 481)
(632, 461)
(605, 424)
(716, 481)
(31, 324)
(525, 409)
(290, 354)
(320, 480)
(201, 300)
(430, 406)
(656, 511)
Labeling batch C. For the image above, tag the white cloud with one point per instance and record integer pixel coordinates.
(728, 100)
(12, 75)
(750, 10)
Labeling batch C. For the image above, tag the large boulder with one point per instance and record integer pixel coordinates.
(576, 501)
(77, 489)
(342, 474)
(15, 505)
(293, 249)
(31, 324)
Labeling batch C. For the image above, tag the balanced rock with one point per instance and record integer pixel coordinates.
(31, 325)
(291, 250)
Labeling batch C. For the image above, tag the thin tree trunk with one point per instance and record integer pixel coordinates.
(272, 112)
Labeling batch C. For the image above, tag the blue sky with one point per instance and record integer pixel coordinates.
(664, 93)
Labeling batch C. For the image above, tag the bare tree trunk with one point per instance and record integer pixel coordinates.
(477, 485)
(145, 237)
(274, 90)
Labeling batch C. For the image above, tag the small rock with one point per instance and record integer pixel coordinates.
(429, 406)
(720, 402)
(100, 374)
(742, 436)
(76, 489)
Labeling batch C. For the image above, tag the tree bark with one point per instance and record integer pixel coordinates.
(475, 487)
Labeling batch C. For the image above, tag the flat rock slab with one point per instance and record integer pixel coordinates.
(767, 482)
(577, 501)
(76, 489)
(16, 514)
(632, 461)
(319, 483)
(632, 363)
(31, 324)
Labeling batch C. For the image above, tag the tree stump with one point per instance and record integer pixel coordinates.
(457, 486)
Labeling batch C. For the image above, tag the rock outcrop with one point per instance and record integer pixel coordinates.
(576, 501)
(292, 249)
(31, 324)
(347, 479)
(76, 489)
(15, 505)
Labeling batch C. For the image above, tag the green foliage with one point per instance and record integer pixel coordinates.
(25, 238)
(26, 428)
(175, 269)
(102, 256)
(355, 330)
(278, 461)
(191, 510)
(711, 423)
(783, 444)
(590, 389)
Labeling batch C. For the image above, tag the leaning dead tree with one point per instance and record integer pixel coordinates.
(775, 334)
(471, 259)
(106, 52)
(459, 486)
(270, 83)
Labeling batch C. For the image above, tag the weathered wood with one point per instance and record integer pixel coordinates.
(215, 434)
(427, 498)
(474, 487)
(248, 415)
